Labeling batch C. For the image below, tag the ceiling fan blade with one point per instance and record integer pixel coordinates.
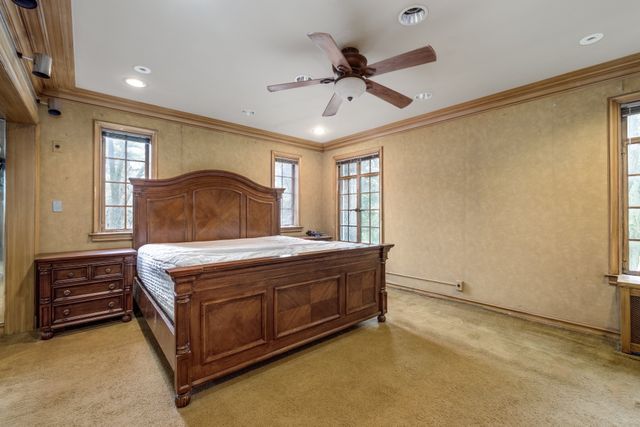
(332, 106)
(325, 42)
(420, 56)
(389, 95)
(293, 85)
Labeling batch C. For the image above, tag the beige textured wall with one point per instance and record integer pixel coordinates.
(68, 175)
(512, 201)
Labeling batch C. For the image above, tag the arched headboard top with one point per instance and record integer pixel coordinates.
(203, 205)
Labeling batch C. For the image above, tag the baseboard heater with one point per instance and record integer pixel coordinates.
(417, 284)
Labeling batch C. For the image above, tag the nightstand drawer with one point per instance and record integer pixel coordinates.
(93, 308)
(70, 292)
(69, 274)
(107, 270)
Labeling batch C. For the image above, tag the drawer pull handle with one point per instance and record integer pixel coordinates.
(66, 312)
(111, 304)
(107, 270)
(70, 274)
(66, 292)
(112, 286)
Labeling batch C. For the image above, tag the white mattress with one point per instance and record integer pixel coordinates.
(155, 259)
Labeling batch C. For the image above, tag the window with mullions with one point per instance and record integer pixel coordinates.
(631, 186)
(124, 156)
(360, 199)
(286, 175)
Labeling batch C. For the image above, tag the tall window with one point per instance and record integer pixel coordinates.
(360, 199)
(286, 174)
(630, 130)
(122, 153)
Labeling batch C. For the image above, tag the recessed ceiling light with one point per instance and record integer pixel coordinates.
(413, 15)
(248, 113)
(135, 82)
(142, 69)
(318, 131)
(423, 96)
(591, 39)
(303, 78)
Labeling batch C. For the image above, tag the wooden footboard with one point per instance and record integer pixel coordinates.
(229, 316)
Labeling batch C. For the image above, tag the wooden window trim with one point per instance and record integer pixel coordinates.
(617, 214)
(336, 181)
(98, 235)
(297, 217)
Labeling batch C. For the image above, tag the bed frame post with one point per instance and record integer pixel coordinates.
(382, 301)
(182, 374)
(129, 275)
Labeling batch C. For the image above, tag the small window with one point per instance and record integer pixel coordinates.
(121, 153)
(286, 174)
(360, 198)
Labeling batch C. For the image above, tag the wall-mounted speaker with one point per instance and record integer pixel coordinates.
(27, 4)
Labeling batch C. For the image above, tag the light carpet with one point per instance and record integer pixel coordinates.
(433, 363)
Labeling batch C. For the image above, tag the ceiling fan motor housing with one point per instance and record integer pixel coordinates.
(350, 87)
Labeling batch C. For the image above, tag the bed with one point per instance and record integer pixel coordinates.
(221, 290)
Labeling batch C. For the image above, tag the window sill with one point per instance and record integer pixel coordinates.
(111, 236)
(292, 229)
(624, 280)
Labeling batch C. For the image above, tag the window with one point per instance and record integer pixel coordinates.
(286, 174)
(630, 135)
(360, 198)
(122, 152)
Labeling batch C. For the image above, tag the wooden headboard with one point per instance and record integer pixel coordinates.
(203, 205)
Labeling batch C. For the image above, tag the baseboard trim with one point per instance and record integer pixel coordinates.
(538, 318)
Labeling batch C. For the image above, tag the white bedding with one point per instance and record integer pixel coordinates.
(155, 259)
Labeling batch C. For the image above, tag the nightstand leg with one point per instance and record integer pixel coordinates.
(382, 318)
(126, 317)
(46, 334)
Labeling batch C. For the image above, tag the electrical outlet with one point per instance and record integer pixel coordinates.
(56, 146)
(56, 206)
(459, 285)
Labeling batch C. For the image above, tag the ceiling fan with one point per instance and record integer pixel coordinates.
(352, 74)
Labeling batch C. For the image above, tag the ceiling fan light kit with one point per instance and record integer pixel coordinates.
(350, 87)
(352, 73)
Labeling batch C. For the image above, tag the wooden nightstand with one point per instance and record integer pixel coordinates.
(79, 287)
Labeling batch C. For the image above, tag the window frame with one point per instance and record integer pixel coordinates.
(99, 234)
(297, 217)
(336, 189)
(618, 246)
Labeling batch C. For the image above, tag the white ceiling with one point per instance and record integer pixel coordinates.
(215, 58)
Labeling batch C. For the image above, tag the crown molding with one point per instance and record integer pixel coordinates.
(50, 29)
(136, 107)
(574, 80)
(622, 67)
